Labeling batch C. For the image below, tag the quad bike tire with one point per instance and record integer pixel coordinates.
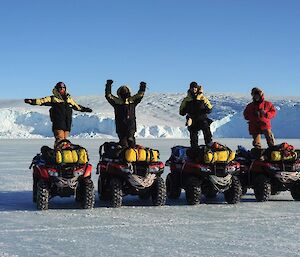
(234, 193)
(295, 191)
(42, 195)
(173, 189)
(116, 192)
(262, 188)
(193, 191)
(87, 198)
(158, 192)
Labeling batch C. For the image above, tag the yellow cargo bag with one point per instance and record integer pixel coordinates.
(277, 156)
(68, 156)
(141, 155)
(131, 155)
(148, 155)
(219, 156)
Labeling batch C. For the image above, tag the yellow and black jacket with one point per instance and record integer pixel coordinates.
(196, 106)
(125, 117)
(61, 109)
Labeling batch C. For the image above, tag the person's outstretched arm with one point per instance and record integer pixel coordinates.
(78, 107)
(39, 101)
(137, 98)
(113, 100)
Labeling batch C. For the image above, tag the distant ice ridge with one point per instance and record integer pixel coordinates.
(157, 117)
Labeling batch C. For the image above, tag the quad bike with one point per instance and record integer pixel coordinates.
(51, 179)
(197, 177)
(268, 177)
(118, 178)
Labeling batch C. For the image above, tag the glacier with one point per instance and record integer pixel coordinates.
(157, 117)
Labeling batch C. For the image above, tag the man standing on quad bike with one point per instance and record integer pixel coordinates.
(61, 104)
(124, 107)
(259, 114)
(196, 106)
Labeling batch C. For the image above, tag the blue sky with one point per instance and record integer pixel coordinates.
(227, 45)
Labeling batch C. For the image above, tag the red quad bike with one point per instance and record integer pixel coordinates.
(269, 176)
(51, 179)
(118, 177)
(196, 177)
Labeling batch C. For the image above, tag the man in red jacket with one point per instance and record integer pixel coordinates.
(259, 114)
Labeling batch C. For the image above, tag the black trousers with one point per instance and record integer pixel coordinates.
(127, 139)
(194, 135)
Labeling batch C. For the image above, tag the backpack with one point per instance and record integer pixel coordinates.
(111, 151)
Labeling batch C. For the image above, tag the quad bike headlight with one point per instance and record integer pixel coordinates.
(205, 169)
(230, 169)
(52, 173)
(274, 168)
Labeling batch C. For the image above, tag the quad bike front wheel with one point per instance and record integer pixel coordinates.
(158, 192)
(295, 191)
(42, 195)
(193, 191)
(173, 188)
(234, 193)
(116, 192)
(262, 188)
(87, 198)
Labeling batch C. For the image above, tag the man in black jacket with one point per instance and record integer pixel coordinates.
(124, 106)
(62, 105)
(196, 106)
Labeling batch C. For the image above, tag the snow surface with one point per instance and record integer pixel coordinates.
(210, 229)
(157, 117)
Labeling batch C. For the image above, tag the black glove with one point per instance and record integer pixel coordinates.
(86, 109)
(143, 86)
(29, 101)
(109, 82)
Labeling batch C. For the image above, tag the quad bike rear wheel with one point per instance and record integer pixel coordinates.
(42, 195)
(262, 188)
(234, 193)
(158, 192)
(173, 188)
(193, 191)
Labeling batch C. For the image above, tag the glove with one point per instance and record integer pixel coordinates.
(143, 86)
(109, 82)
(87, 109)
(28, 101)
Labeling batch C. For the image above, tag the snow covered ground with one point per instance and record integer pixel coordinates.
(157, 117)
(211, 229)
